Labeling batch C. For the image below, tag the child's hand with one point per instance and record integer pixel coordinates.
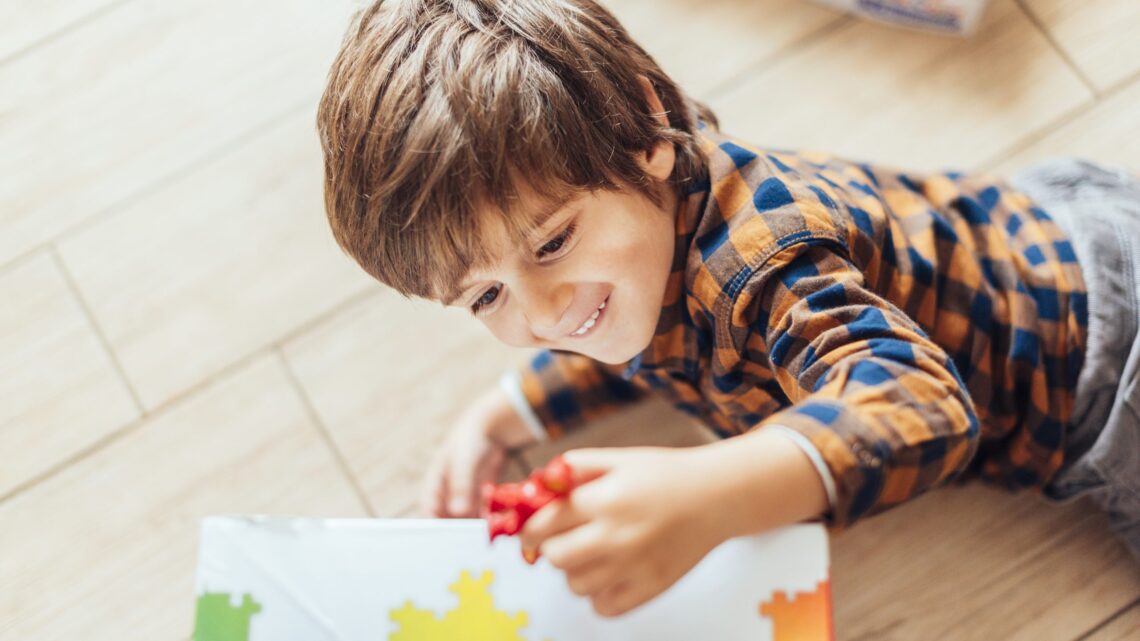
(472, 453)
(641, 520)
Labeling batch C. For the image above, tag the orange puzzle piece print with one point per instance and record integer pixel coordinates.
(805, 617)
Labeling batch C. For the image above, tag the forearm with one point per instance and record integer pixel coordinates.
(504, 424)
(761, 480)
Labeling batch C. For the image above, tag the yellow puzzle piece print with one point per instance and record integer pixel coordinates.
(474, 618)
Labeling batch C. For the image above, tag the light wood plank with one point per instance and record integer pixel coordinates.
(59, 391)
(914, 100)
(1125, 627)
(388, 378)
(1099, 35)
(702, 44)
(1108, 133)
(106, 549)
(23, 24)
(142, 93)
(977, 563)
(216, 265)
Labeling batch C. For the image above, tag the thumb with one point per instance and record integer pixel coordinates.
(588, 464)
(461, 485)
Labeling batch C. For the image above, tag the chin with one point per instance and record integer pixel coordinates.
(624, 353)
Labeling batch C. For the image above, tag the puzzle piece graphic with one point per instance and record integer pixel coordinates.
(474, 618)
(804, 617)
(218, 620)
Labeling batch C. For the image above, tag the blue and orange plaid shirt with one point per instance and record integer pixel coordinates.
(908, 329)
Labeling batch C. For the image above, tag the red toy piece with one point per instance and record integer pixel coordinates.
(508, 506)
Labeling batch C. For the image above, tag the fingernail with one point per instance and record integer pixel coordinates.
(457, 506)
(530, 555)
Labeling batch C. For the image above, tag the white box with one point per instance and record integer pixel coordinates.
(280, 579)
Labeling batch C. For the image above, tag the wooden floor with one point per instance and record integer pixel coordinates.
(180, 335)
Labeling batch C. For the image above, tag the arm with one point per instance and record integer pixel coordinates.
(883, 405)
(555, 393)
(639, 518)
(759, 481)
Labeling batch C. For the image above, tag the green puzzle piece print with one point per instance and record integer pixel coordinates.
(217, 620)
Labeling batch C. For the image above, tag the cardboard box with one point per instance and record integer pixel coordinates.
(282, 579)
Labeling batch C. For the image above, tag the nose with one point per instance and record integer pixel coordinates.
(544, 306)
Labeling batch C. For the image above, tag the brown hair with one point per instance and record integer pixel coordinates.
(437, 110)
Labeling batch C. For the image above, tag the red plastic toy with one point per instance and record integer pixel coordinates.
(508, 506)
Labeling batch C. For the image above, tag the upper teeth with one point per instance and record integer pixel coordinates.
(589, 321)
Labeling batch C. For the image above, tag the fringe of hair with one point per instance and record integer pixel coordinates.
(440, 112)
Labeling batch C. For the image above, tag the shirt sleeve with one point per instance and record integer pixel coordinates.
(558, 392)
(883, 405)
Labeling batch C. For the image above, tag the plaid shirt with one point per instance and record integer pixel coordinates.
(909, 329)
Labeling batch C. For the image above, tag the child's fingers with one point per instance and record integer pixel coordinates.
(553, 518)
(487, 472)
(589, 578)
(461, 482)
(588, 464)
(433, 490)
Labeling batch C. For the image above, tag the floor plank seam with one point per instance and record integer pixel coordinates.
(324, 432)
(1043, 29)
(155, 413)
(64, 30)
(77, 294)
(224, 148)
(1036, 136)
(1108, 621)
(158, 411)
(361, 297)
(1121, 85)
(1061, 122)
(76, 458)
(186, 394)
(726, 86)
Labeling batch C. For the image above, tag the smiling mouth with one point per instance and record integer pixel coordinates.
(591, 322)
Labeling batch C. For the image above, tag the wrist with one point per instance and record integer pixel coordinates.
(762, 480)
(502, 423)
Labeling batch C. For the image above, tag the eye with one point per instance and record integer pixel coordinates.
(555, 245)
(487, 298)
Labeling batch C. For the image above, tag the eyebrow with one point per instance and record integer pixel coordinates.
(542, 218)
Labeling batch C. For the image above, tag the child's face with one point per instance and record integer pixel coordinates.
(606, 247)
(611, 248)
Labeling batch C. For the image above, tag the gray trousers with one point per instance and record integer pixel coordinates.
(1099, 208)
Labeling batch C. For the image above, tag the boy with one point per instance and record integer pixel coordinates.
(855, 335)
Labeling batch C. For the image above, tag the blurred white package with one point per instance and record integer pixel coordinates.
(947, 16)
(280, 579)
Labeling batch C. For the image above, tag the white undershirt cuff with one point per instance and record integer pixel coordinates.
(812, 452)
(511, 382)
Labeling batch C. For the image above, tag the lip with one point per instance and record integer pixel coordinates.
(597, 321)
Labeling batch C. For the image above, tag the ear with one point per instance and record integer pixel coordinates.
(659, 159)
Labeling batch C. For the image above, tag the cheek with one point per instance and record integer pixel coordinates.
(508, 332)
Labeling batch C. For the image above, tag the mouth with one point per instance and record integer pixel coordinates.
(587, 328)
